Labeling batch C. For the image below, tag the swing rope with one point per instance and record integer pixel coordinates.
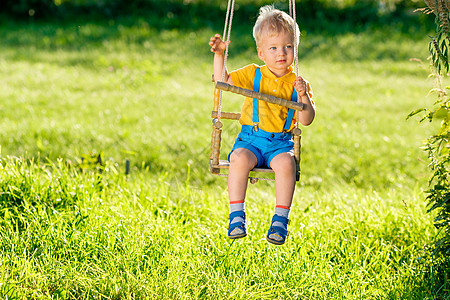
(293, 15)
(227, 33)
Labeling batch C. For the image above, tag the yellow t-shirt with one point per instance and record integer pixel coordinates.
(271, 116)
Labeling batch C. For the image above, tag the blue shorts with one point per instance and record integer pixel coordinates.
(265, 145)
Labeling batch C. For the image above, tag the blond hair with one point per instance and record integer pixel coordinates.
(272, 21)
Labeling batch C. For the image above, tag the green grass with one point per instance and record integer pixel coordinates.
(70, 229)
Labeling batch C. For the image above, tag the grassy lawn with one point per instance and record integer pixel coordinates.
(71, 228)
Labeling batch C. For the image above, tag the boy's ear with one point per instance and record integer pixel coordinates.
(260, 54)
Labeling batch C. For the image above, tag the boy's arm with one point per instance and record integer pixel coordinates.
(218, 47)
(307, 115)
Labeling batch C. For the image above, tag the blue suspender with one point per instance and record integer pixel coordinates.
(255, 116)
(290, 115)
(256, 83)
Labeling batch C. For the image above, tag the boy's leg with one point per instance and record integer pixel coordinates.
(241, 162)
(284, 167)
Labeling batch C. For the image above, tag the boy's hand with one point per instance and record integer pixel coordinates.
(217, 45)
(300, 86)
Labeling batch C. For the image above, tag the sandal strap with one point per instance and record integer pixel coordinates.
(277, 218)
(235, 214)
(278, 229)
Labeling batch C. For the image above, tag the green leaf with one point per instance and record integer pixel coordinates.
(411, 114)
(444, 150)
(441, 113)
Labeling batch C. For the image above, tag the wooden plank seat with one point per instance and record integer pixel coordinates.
(225, 164)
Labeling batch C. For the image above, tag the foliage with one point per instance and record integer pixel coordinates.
(199, 13)
(438, 145)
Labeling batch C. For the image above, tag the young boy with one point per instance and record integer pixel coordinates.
(265, 139)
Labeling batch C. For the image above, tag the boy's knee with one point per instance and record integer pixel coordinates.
(283, 162)
(243, 157)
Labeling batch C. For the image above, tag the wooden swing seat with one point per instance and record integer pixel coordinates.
(216, 165)
(225, 164)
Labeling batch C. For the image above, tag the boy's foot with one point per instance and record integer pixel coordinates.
(278, 230)
(237, 229)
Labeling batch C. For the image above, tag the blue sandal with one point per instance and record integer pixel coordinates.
(277, 235)
(237, 230)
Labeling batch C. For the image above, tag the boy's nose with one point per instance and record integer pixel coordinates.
(282, 52)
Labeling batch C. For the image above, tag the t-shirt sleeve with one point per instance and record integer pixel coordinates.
(243, 77)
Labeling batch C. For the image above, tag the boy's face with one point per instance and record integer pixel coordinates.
(277, 51)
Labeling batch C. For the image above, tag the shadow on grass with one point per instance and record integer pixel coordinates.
(21, 40)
